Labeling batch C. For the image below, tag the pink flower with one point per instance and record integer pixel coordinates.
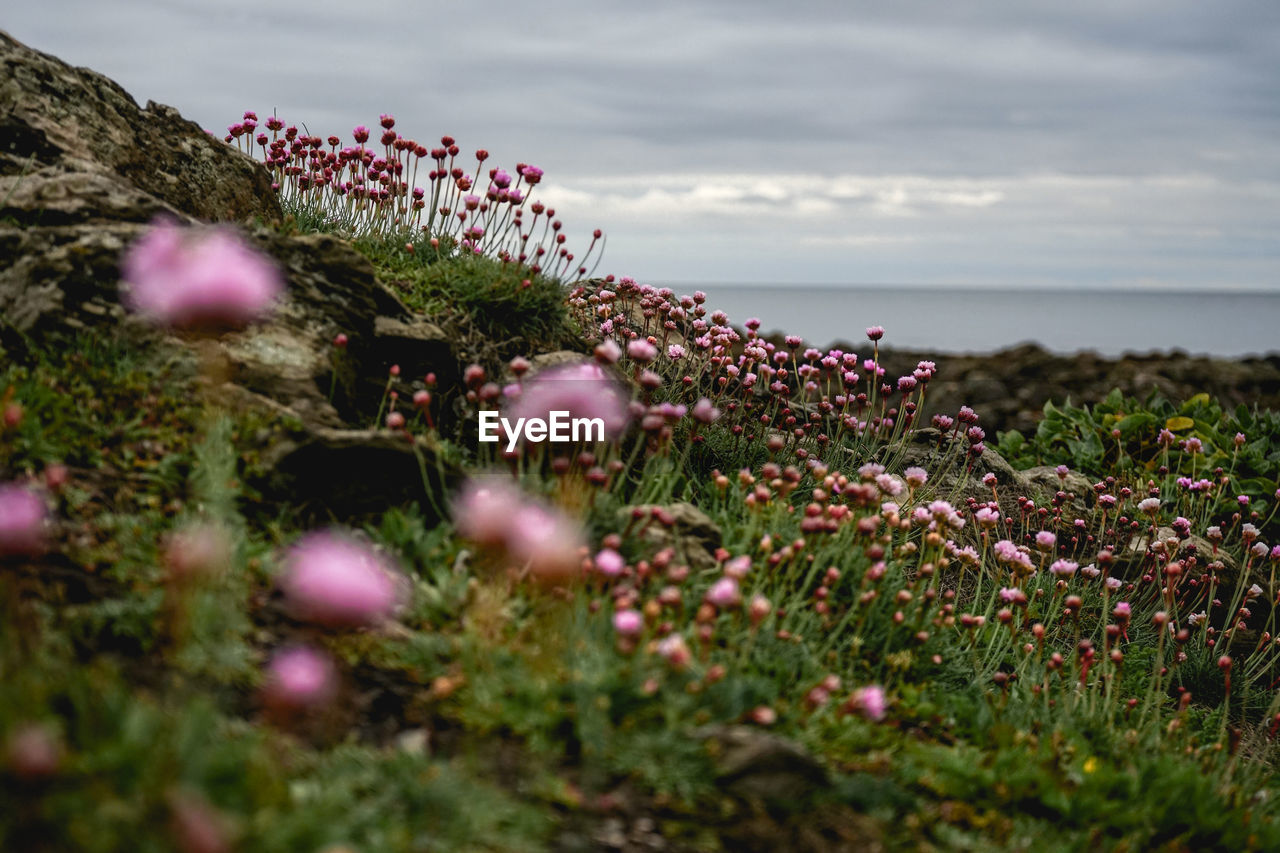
(1063, 568)
(1045, 540)
(24, 520)
(641, 350)
(915, 477)
(608, 351)
(675, 651)
(584, 390)
(610, 563)
(299, 677)
(493, 511)
(484, 509)
(209, 280)
(547, 542)
(704, 411)
(333, 580)
(724, 593)
(628, 623)
(870, 701)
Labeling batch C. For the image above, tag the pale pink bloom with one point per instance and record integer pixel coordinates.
(987, 517)
(608, 351)
(641, 350)
(675, 352)
(1045, 540)
(584, 390)
(1063, 568)
(610, 563)
(299, 677)
(675, 651)
(331, 579)
(871, 702)
(24, 520)
(628, 623)
(208, 279)
(493, 511)
(704, 411)
(547, 542)
(1114, 583)
(484, 508)
(738, 567)
(724, 593)
(915, 477)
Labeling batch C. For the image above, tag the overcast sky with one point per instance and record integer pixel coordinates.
(1104, 144)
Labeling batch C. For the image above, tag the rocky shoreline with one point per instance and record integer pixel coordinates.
(1009, 388)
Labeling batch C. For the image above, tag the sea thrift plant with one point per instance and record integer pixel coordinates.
(388, 184)
(206, 279)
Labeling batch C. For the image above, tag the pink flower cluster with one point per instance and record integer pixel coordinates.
(532, 535)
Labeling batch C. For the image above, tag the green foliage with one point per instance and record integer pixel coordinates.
(1121, 436)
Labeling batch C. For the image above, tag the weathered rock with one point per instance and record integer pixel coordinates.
(1009, 388)
(332, 473)
(66, 126)
(692, 533)
(758, 765)
(86, 171)
(1042, 483)
(1197, 546)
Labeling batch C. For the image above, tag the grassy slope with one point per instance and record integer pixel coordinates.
(540, 729)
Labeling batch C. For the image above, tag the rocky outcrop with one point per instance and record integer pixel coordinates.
(83, 173)
(680, 526)
(1009, 388)
(79, 149)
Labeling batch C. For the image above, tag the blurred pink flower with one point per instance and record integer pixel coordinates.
(198, 280)
(547, 542)
(494, 511)
(584, 390)
(199, 549)
(33, 752)
(299, 677)
(628, 623)
(24, 520)
(484, 508)
(610, 563)
(334, 580)
(870, 701)
(724, 593)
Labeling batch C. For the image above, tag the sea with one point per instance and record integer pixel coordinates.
(1227, 324)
